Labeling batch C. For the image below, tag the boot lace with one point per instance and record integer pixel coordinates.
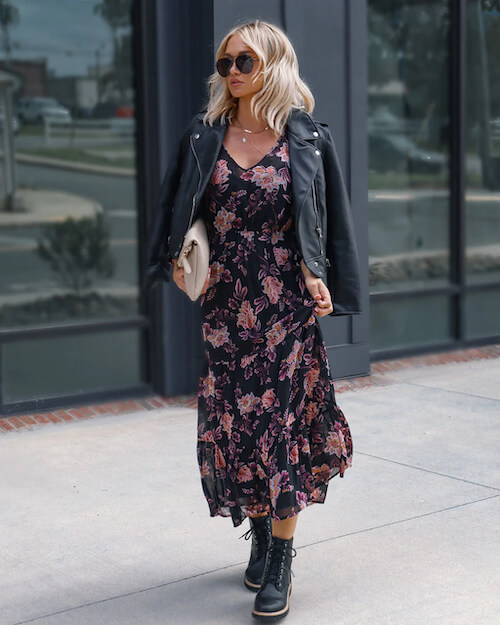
(276, 562)
(261, 538)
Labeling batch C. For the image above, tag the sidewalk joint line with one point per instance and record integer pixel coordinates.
(229, 566)
(447, 390)
(400, 521)
(451, 477)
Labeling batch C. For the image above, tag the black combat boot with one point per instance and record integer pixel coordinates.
(261, 532)
(272, 600)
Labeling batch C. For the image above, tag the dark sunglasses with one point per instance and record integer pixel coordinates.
(244, 62)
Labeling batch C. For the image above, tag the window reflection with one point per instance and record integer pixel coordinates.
(67, 177)
(408, 129)
(482, 142)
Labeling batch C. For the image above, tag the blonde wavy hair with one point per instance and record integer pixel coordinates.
(282, 89)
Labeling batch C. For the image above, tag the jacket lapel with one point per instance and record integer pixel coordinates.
(304, 161)
(207, 148)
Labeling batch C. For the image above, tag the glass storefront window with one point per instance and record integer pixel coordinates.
(68, 209)
(408, 134)
(68, 240)
(482, 148)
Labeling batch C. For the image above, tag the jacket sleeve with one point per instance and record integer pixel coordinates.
(341, 247)
(158, 261)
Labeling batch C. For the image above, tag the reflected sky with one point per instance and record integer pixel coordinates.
(66, 33)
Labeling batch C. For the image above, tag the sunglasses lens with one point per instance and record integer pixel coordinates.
(244, 63)
(223, 66)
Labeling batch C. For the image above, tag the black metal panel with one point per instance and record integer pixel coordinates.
(184, 33)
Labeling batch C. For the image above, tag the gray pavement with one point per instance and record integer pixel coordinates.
(104, 522)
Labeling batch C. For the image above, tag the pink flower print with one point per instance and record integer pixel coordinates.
(246, 316)
(310, 381)
(321, 473)
(265, 177)
(209, 385)
(247, 360)
(288, 365)
(247, 403)
(276, 334)
(244, 474)
(268, 398)
(247, 234)
(274, 488)
(301, 500)
(281, 255)
(216, 271)
(333, 445)
(223, 220)
(272, 288)
(227, 423)
(219, 336)
(220, 462)
(293, 454)
(221, 172)
(205, 469)
(276, 236)
(283, 153)
(311, 412)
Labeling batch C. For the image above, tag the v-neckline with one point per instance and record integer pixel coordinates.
(258, 162)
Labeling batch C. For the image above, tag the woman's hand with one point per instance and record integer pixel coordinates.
(178, 277)
(318, 290)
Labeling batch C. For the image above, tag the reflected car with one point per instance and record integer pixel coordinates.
(398, 153)
(15, 120)
(37, 109)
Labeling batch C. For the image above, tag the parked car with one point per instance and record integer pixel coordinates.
(37, 109)
(399, 153)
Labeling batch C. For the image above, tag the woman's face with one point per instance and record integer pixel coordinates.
(241, 85)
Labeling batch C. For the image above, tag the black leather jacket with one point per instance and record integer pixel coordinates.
(323, 221)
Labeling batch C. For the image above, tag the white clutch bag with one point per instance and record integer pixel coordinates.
(194, 257)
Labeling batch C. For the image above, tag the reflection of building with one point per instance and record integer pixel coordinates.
(34, 73)
(418, 148)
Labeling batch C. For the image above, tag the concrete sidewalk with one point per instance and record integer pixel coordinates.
(104, 521)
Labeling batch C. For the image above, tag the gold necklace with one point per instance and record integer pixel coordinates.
(250, 132)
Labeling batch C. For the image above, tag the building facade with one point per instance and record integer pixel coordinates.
(409, 91)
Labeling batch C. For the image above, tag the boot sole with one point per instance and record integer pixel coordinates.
(250, 585)
(271, 616)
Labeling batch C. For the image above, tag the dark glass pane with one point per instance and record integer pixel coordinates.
(408, 127)
(482, 314)
(71, 364)
(482, 142)
(68, 243)
(410, 322)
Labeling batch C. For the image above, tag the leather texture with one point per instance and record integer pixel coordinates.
(261, 531)
(323, 220)
(194, 258)
(273, 599)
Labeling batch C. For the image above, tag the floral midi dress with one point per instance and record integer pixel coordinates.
(270, 434)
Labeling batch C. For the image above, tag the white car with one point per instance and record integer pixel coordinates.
(37, 109)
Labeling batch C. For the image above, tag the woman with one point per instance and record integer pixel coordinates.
(266, 180)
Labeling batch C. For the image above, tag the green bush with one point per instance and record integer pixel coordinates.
(78, 251)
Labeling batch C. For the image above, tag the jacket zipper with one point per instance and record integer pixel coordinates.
(199, 182)
(318, 227)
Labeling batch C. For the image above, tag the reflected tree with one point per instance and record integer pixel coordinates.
(9, 16)
(117, 14)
